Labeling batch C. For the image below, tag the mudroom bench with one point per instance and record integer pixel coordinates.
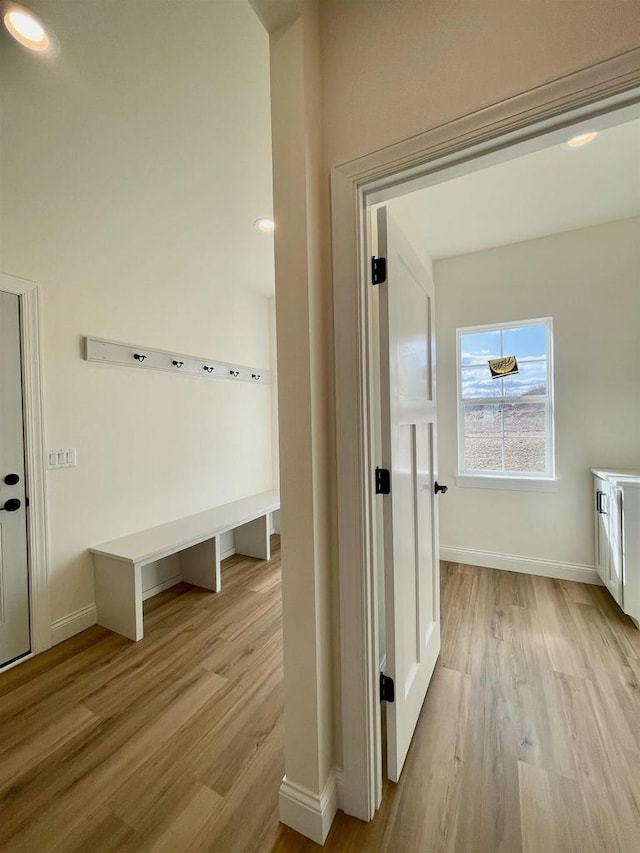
(118, 564)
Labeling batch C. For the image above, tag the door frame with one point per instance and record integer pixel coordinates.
(33, 414)
(584, 95)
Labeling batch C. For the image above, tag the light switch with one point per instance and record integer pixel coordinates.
(62, 458)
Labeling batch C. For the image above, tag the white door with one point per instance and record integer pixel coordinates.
(408, 414)
(14, 579)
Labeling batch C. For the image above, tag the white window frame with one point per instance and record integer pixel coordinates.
(533, 481)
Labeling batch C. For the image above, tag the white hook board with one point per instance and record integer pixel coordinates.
(147, 358)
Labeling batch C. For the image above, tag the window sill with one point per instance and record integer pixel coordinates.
(518, 484)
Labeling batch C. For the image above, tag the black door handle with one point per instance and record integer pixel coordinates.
(438, 488)
(12, 479)
(11, 505)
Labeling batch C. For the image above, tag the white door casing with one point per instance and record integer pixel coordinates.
(588, 95)
(14, 570)
(409, 452)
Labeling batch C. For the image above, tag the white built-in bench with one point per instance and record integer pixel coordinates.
(118, 564)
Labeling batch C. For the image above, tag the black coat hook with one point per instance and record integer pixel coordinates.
(255, 376)
(234, 372)
(139, 357)
(177, 363)
(208, 369)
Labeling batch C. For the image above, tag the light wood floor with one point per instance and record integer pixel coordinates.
(529, 739)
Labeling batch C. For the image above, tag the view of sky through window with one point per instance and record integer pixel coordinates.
(527, 343)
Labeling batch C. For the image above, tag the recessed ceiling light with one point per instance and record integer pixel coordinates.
(583, 139)
(26, 28)
(265, 225)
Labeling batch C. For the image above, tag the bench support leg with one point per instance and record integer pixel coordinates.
(252, 538)
(200, 564)
(118, 591)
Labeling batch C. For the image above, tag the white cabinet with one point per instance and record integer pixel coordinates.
(617, 511)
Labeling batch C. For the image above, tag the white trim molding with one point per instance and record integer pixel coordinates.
(590, 94)
(514, 484)
(35, 458)
(308, 813)
(524, 565)
(156, 589)
(72, 624)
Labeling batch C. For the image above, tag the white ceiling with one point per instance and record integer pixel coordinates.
(546, 192)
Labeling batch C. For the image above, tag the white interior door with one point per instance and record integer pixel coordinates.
(14, 578)
(408, 414)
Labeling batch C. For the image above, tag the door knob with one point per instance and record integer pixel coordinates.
(11, 505)
(12, 479)
(438, 488)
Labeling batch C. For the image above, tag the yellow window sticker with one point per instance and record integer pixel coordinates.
(500, 367)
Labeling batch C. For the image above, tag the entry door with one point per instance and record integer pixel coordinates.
(14, 578)
(408, 412)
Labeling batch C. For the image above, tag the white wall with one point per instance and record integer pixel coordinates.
(133, 166)
(589, 282)
(393, 68)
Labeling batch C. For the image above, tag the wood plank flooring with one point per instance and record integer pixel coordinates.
(173, 743)
(529, 739)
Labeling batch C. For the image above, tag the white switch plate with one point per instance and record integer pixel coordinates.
(62, 458)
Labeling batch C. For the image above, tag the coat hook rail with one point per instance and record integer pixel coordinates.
(145, 358)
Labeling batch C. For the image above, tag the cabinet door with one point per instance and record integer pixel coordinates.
(608, 537)
(614, 511)
(602, 533)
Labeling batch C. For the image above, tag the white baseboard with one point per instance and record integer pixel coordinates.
(228, 552)
(526, 565)
(72, 624)
(160, 587)
(311, 814)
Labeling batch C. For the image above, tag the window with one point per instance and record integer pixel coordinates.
(505, 424)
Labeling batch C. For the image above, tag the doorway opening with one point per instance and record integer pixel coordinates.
(440, 164)
(501, 241)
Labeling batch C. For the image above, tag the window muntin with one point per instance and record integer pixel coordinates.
(505, 425)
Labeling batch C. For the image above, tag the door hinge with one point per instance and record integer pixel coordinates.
(387, 688)
(383, 481)
(378, 270)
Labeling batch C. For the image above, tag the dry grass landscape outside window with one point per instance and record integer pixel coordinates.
(516, 430)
